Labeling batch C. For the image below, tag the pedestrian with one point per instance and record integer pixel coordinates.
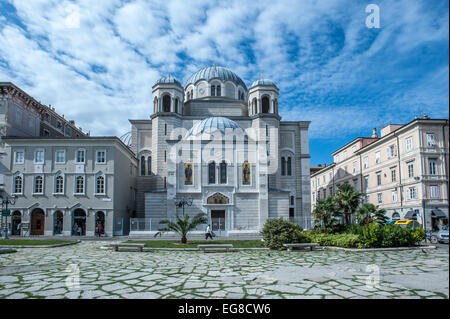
(74, 229)
(208, 232)
(100, 229)
(97, 231)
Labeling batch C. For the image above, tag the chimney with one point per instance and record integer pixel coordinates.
(374, 133)
(325, 165)
(425, 117)
(320, 165)
(72, 122)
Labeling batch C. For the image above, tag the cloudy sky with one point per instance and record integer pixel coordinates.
(96, 61)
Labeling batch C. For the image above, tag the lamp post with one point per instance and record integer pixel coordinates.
(6, 213)
(183, 201)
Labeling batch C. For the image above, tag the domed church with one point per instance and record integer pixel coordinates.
(216, 146)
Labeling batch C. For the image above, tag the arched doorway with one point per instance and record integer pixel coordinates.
(58, 219)
(16, 220)
(79, 223)
(100, 221)
(37, 222)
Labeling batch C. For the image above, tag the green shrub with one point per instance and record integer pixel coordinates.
(277, 232)
(324, 239)
(418, 235)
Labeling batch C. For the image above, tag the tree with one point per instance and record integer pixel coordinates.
(325, 212)
(182, 225)
(347, 199)
(368, 213)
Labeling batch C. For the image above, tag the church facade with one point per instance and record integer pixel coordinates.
(223, 148)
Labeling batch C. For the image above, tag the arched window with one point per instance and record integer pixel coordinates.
(254, 106)
(289, 166)
(223, 172)
(292, 200)
(176, 105)
(100, 185)
(246, 173)
(59, 184)
(192, 94)
(166, 103)
(212, 173)
(213, 90)
(142, 165)
(283, 166)
(18, 184)
(218, 91)
(155, 104)
(79, 185)
(188, 174)
(149, 165)
(38, 185)
(265, 104)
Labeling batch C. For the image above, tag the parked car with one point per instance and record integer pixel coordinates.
(408, 223)
(442, 235)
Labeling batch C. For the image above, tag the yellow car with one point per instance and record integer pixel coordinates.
(407, 223)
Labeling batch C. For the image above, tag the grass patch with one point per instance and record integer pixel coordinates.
(33, 242)
(194, 243)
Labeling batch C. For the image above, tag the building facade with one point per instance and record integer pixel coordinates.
(225, 147)
(66, 186)
(404, 171)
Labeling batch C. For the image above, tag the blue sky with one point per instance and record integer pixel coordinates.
(96, 61)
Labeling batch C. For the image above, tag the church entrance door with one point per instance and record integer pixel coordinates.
(218, 220)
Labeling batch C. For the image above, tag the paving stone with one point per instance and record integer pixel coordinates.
(114, 287)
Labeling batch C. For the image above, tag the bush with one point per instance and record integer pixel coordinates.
(277, 232)
(323, 239)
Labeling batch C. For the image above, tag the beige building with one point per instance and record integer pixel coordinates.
(404, 170)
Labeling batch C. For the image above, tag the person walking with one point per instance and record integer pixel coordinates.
(97, 230)
(208, 232)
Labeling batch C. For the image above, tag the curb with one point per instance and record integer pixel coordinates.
(150, 249)
(41, 246)
(377, 249)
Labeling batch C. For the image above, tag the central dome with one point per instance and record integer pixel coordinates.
(215, 72)
(212, 124)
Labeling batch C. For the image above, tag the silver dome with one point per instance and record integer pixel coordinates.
(168, 79)
(212, 124)
(215, 72)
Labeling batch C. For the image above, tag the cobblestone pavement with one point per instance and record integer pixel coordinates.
(43, 273)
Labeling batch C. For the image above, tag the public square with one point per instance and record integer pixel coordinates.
(44, 273)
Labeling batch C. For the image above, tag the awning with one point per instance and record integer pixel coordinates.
(409, 215)
(438, 213)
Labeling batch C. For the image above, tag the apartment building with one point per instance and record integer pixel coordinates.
(404, 170)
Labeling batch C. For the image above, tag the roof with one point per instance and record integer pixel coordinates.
(263, 82)
(215, 72)
(212, 124)
(168, 79)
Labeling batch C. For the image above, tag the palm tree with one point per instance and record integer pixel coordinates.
(368, 213)
(182, 225)
(325, 212)
(347, 200)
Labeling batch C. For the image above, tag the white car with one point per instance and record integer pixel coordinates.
(442, 235)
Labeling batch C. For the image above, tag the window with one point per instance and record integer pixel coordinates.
(355, 184)
(353, 149)
(219, 93)
(59, 184)
(410, 169)
(176, 105)
(100, 157)
(331, 191)
(60, 157)
(394, 195)
(79, 185)
(431, 140)
(166, 103)
(19, 157)
(331, 176)
(354, 167)
(38, 185)
(378, 178)
(212, 173)
(246, 173)
(142, 165)
(367, 199)
(165, 156)
(433, 166)
(366, 182)
(345, 154)
(324, 179)
(18, 185)
(411, 193)
(391, 152)
(318, 181)
(380, 198)
(393, 174)
(68, 131)
(345, 171)
(337, 158)
(338, 174)
(377, 157)
(324, 193)
(409, 144)
(80, 156)
(223, 173)
(100, 185)
(289, 166)
(213, 90)
(366, 162)
(292, 200)
(283, 167)
(265, 104)
(46, 132)
(39, 157)
(434, 191)
(149, 165)
(165, 128)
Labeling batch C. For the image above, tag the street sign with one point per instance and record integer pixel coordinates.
(6, 212)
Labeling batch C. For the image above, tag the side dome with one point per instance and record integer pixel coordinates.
(213, 124)
(167, 80)
(263, 82)
(215, 72)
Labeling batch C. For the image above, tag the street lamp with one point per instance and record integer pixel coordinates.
(183, 201)
(6, 213)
